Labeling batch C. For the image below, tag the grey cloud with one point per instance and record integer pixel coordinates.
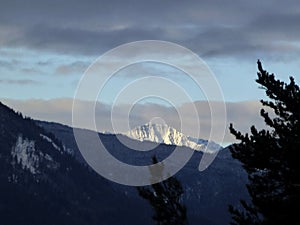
(23, 67)
(77, 67)
(283, 26)
(79, 41)
(32, 71)
(267, 35)
(211, 28)
(19, 82)
(44, 63)
(9, 64)
(5, 64)
(133, 12)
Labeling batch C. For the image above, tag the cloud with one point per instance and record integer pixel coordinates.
(79, 40)
(5, 64)
(77, 67)
(241, 114)
(19, 82)
(267, 35)
(9, 64)
(211, 28)
(32, 71)
(19, 65)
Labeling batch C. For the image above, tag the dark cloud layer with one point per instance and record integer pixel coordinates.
(211, 28)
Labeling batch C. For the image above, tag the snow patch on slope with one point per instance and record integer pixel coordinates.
(50, 141)
(67, 150)
(24, 151)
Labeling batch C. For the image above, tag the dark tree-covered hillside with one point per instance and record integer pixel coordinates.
(165, 199)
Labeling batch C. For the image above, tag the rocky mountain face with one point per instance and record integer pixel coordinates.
(162, 133)
(44, 179)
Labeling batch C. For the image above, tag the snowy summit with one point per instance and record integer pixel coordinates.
(162, 133)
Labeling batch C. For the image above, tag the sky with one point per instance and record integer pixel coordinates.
(46, 46)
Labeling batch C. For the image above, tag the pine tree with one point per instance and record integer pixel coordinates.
(270, 157)
(165, 198)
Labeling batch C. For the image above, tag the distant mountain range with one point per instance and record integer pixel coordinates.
(45, 180)
(162, 133)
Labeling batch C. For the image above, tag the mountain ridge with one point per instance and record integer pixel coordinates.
(165, 134)
(41, 182)
(44, 180)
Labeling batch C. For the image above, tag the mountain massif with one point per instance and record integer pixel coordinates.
(162, 133)
(44, 179)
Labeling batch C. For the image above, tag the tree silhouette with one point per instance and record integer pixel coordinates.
(165, 198)
(271, 156)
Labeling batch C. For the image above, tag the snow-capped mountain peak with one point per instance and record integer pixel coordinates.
(162, 133)
(153, 132)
